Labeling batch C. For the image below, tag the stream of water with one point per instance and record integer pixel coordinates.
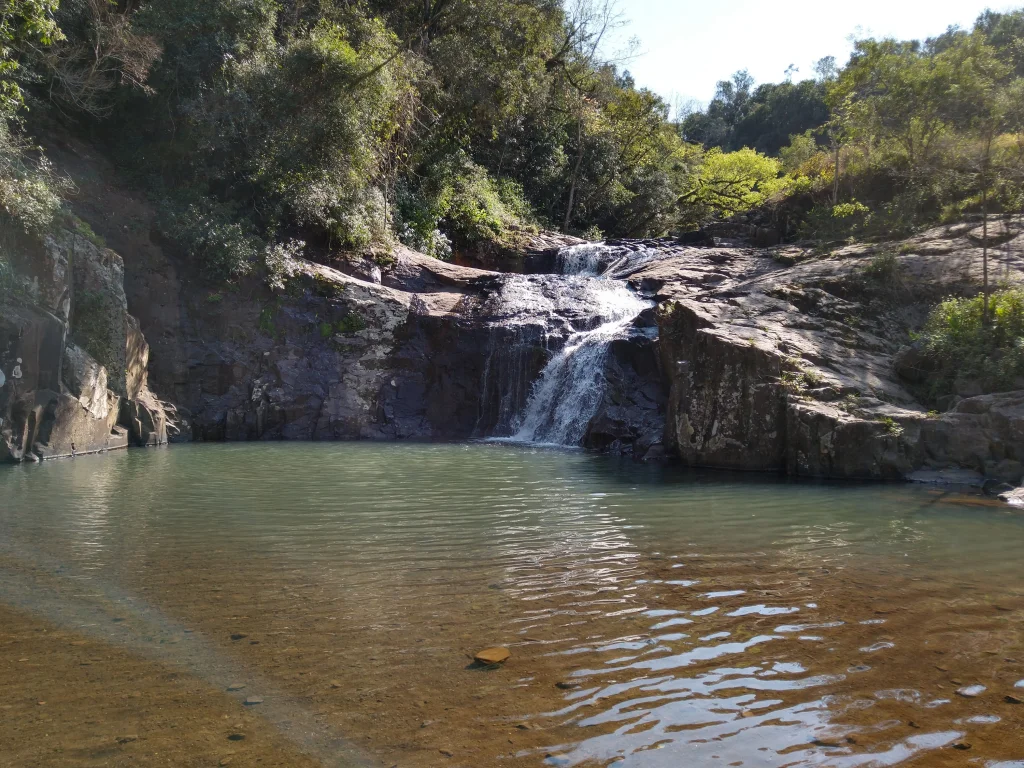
(656, 617)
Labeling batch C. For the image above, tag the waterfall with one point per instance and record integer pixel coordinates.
(602, 260)
(571, 386)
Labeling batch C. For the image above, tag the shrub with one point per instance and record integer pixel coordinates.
(836, 222)
(460, 201)
(883, 267)
(220, 241)
(278, 259)
(962, 345)
(30, 191)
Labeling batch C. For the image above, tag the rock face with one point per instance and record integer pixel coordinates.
(780, 362)
(72, 361)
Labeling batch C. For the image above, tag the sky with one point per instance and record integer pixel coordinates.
(687, 46)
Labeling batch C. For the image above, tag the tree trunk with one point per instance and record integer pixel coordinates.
(984, 231)
(835, 183)
(575, 178)
(984, 250)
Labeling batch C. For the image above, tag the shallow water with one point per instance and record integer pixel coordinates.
(656, 617)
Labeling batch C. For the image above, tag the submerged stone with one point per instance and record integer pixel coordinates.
(492, 656)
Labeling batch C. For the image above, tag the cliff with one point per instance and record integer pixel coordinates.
(73, 362)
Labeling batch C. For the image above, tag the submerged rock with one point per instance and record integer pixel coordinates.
(492, 656)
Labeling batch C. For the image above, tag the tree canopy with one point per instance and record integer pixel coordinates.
(448, 124)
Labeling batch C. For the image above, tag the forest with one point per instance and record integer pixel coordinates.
(260, 128)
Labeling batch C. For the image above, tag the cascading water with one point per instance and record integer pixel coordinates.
(571, 386)
(600, 260)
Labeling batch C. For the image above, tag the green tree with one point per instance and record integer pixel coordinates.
(726, 183)
(23, 23)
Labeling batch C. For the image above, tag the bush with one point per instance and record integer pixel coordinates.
(836, 222)
(31, 192)
(961, 345)
(460, 201)
(214, 236)
(883, 268)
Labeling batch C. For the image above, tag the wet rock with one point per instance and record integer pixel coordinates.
(1013, 699)
(567, 686)
(997, 488)
(236, 737)
(491, 656)
(962, 745)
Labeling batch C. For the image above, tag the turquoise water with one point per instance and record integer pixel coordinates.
(708, 617)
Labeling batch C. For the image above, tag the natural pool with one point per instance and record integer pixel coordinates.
(656, 617)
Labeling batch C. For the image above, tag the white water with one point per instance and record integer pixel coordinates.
(570, 388)
(600, 260)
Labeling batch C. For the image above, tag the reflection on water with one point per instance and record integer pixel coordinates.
(687, 618)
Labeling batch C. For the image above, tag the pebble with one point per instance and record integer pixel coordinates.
(239, 636)
(970, 691)
(446, 752)
(335, 684)
(553, 759)
(492, 656)
(127, 739)
(224, 761)
(236, 686)
(567, 686)
(1013, 700)
(962, 745)
(236, 737)
(252, 701)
